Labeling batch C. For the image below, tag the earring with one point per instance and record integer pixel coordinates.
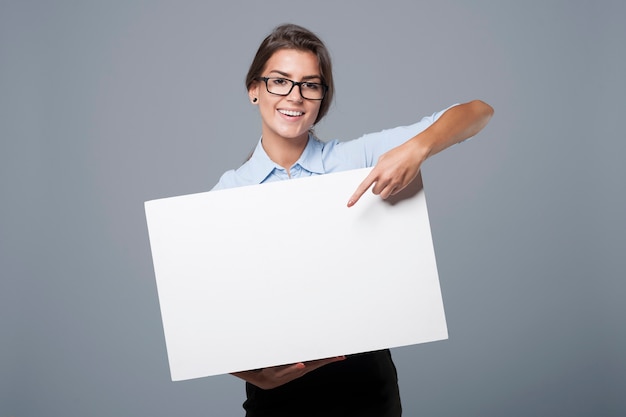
(254, 100)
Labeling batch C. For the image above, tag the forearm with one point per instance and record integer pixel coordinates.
(396, 168)
(455, 125)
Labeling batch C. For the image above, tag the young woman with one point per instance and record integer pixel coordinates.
(290, 81)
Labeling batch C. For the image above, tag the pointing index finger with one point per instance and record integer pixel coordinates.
(362, 188)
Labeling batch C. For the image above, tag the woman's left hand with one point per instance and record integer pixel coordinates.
(394, 170)
(399, 166)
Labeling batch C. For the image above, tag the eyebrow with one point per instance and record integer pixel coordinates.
(306, 77)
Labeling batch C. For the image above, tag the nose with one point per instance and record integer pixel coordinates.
(295, 94)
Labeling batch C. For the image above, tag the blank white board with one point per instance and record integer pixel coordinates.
(284, 272)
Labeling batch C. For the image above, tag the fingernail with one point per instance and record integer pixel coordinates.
(350, 203)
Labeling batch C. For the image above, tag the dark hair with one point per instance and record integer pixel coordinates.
(290, 36)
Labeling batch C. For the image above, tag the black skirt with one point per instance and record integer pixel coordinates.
(363, 385)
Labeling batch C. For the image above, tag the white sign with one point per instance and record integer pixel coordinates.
(284, 272)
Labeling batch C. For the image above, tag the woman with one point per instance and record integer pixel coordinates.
(291, 82)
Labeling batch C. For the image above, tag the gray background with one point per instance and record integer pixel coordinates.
(104, 105)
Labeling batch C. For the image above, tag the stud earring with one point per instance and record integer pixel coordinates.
(254, 100)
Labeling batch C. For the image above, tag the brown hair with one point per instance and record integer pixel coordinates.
(290, 36)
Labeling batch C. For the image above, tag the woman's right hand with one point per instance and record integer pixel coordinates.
(275, 376)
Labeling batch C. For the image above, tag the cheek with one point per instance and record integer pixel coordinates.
(266, 104)
(315, 111)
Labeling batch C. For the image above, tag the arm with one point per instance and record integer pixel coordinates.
(268, 378)
(398, 167)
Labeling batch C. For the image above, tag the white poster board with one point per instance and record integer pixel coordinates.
(284, 272)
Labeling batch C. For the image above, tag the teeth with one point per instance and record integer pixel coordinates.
(291, 112)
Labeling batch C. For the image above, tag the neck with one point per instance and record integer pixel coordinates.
(284, 151)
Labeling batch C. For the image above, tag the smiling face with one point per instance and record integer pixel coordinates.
(287, 118)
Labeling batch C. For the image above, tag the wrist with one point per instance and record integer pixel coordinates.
(421, 147)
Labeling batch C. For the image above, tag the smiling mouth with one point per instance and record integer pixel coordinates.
(291, 113)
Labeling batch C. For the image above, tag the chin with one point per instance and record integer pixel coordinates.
(295, 135)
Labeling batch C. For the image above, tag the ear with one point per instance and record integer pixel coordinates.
(253, 93)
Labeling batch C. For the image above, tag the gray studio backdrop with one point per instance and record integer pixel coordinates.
(104, 105)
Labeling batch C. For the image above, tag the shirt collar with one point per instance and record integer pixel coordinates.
(311, 158)
(260, 166)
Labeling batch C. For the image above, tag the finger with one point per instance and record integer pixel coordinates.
(382, 187)
(392, 189)
(397, 189)
(362, 188)
(290, 369)
(326, 360)
(388, 191)
(312, 365)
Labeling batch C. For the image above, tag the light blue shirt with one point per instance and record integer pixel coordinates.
(323, 157)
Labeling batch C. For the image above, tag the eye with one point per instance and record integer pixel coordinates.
(279, 81)
(312, 86)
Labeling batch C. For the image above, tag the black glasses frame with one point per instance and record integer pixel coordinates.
(293, 84)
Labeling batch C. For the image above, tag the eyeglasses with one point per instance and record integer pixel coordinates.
(283, 87)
